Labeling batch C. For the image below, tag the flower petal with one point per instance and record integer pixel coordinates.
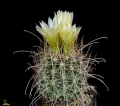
(50, 22)
(40, 30)
(43, 24)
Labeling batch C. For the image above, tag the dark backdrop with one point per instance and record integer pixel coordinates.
(94, 17)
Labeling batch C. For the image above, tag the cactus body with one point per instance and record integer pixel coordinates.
(62, 79)
(61, 69)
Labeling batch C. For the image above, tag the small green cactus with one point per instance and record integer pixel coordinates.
(5, 100)
(61, 69)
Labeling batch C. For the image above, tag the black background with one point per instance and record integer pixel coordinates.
(93, 16)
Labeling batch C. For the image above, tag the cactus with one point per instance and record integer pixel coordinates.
(61, 68)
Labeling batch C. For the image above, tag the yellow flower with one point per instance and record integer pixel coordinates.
(59, 32)
(65, 18)
(68, 36)
(49, 34)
